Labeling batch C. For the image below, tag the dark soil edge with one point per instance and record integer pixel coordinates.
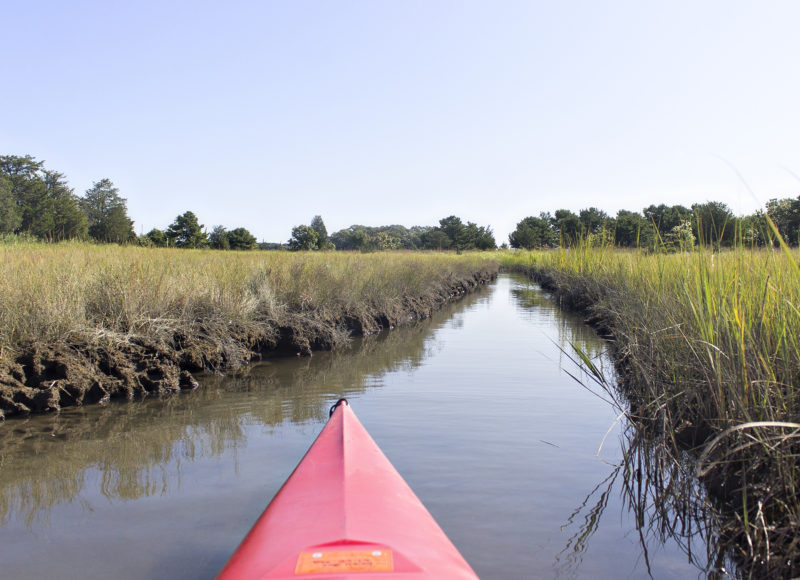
(45, 378)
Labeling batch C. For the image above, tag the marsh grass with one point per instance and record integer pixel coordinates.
(52, 293)
(708, 348)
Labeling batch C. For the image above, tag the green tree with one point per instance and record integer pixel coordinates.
(186, 232)
(713, 223)
(454, 229)
(10, 217)
(631, 230)
(568, 226)
(107, 213)
(59, 216)
(360, 239)
(241, 239)
(413, 239)
(303, 238)
(680, 238)
(47, 207)
(594, 221)
(463, 236)
(218, 238)
(355, 237)
(475, 237)
(785, 214)
(323, 243)
(345, 239)
(665, 219)
(534, 232)
(485, 239)
(381, 241)
(755, 229)
(156, 238)
(436, 239)
(20, 168)
(27, 186)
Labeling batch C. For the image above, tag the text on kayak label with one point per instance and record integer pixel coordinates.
(322, 562)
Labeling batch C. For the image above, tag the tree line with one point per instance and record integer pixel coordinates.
(187, 232)
(38, 202)
(663, 227)
(450, 234)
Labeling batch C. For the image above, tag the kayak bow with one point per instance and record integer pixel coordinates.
(345, 512)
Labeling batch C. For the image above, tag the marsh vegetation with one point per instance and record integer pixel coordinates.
(707, 347)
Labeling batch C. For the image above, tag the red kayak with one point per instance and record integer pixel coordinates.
(345, 512)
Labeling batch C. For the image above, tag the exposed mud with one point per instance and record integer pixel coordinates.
(96, 368)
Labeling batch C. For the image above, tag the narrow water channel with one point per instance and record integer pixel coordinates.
(476, 408)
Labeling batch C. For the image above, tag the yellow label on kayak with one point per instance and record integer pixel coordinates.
(344, 561)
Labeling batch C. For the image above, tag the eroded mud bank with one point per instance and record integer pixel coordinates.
(93, 369)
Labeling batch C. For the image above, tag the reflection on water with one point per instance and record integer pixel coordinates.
(475, 407)
(536, 305)
(667, 502)
(571, 333)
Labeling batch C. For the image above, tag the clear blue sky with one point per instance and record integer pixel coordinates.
(264, 114)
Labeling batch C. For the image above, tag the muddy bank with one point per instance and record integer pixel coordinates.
(99, 366)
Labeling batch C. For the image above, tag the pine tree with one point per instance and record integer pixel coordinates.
(186, 232)
(107, 213)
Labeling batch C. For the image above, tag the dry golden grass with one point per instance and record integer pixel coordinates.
(50, 292)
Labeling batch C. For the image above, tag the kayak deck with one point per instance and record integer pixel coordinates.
(345, 512)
